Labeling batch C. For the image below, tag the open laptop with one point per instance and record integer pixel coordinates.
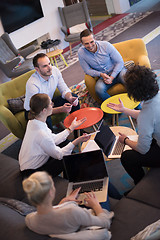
(109, 143)
(88, 171)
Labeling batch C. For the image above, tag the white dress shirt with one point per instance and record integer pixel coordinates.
(37, 84)
(40, 143)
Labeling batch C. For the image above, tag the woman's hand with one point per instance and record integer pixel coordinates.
(92, 202)
(76, 123)
(72, 197)
(117, 107)
(84, 138)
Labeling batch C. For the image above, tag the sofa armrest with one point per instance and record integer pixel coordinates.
(90, 84)
(10, 121)
(64, 30)
(143, 60)
(26, 51)
(9, 65)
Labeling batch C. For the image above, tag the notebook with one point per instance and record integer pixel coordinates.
(109, 143)
(88, 171)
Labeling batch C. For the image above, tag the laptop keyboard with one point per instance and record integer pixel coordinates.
(118, 148)
(88, 187)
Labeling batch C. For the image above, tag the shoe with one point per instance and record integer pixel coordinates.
(129, 64)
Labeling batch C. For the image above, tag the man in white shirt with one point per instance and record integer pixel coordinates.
(45, 80)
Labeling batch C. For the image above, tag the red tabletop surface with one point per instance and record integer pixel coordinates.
(92, 114)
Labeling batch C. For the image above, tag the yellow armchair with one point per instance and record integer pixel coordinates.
(16, 123)
(134, 49)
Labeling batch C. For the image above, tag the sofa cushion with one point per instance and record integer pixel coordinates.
(12, 226)
(147, 188)
(151, 232)
(131, 217)
(10, 178)
(19, 206)
(16, 104)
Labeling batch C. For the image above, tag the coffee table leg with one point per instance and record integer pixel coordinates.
(117, 120)
(113, 120)
(79, 144)
(131, 122)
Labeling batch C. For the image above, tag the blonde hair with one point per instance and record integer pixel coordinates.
(37, 187)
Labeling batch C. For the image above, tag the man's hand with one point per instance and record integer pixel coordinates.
(106, 78)
(66, 107)
(71, 99)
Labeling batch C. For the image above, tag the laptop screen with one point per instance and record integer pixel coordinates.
(105, 139)
(85, 166)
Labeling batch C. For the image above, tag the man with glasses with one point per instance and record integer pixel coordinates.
(101, 59)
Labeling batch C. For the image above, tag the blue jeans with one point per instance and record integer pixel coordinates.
(101, 87)
(113, 193)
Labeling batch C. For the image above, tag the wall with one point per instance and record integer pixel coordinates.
(50, 23)
(121, 6)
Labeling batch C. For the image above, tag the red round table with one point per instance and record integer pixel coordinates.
(93, 115)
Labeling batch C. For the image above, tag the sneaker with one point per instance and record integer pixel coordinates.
(129, 64)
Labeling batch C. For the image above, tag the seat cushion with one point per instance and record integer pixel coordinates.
(10, 178)
(131, 217)
(147, 188)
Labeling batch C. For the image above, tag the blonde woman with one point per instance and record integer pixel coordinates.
(40, 150)
(67, 216)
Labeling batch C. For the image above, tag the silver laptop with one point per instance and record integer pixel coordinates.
(108, 142)
(88, 171)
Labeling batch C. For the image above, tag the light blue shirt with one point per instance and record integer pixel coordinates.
(148, 122)
(105, 60)
(37, 84)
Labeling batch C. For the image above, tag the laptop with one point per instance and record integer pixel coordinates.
(109, 143)
(88, 171)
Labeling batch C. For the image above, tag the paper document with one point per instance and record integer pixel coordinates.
(91, 146)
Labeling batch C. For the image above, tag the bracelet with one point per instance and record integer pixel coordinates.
(125, 140)
(69, 130)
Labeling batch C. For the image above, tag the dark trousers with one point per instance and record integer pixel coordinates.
(53, 166)
(133, 161)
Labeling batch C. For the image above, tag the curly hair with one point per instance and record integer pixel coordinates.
(141, 83)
